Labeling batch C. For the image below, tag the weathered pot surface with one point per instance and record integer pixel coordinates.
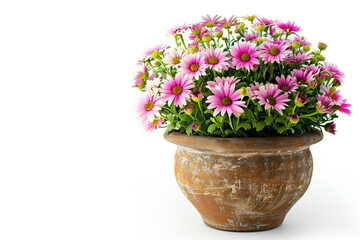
(243, 184)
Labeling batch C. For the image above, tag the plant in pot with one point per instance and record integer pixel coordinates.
(244, 99)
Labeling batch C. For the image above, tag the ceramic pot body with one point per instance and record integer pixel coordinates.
(243, 184)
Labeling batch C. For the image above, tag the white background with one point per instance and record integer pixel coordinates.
(75, 162)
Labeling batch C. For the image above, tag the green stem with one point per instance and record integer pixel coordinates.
(183, 42)
(231, 124)
(176, 41)
(169, 110)
(310, 114)
(200, 106)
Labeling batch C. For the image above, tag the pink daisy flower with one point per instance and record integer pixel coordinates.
(253, 89)
(272, 52)
(211, 22)
(344, 107)
(286, 84)
(155, 124)
(250, 37)
(324, 104)
(265, 21)
(174, 57)
(334, 72)
(141, 75)
(178, 29)
(193, 65)
(193, 37)
(335, 97)
(298, 58)
(330, 127)
(216, 59)
(303, 42)
(289, 27)
(269, 94)
(177, 90)
(149, 106)
(245, 55)
(314, 69)
(226, 99)
(301, 99)
(196, 28)
(302, 76)
(158, 48)
(221, 81)
(227, 23)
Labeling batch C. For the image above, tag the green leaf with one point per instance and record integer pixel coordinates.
(249, 115)
(228, 131)
(268, 120)
(259, 126)
(188, 130)
(212, 128)
(282, 120)
(282, 129)
(244, 125)
(292, 130)
(209, 111)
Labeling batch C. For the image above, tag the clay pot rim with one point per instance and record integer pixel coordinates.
(232, 145)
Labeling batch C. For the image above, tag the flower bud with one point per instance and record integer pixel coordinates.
(197, 39)
(241, 24)
(195, 126)
(141, 85)
(322, 46)
(197, 95)
(296, 44)
(333, 90)
(306, 48)
(155, 54)
(244, 91)
(223, 38)
(321, 58)
(255, 68)
(218, 32)
(312, 83)
(317, 53)
(313, 60)
(238, 37)
(188, 109)
(330, 127)
(336, 82)
(206, 37)
(294, 118)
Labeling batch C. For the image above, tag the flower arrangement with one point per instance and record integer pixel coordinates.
(224, 78)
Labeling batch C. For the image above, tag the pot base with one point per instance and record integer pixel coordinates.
(247, 223)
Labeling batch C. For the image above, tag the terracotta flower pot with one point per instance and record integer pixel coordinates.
(243, 184)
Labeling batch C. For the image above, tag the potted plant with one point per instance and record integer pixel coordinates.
(244, 99)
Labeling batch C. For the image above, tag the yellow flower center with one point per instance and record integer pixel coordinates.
(213, 60)
(149, 105)
(177, 90)
(245, 57)
(194, 67)
(301, 81)
(271, 100)
(285, 88)
(176, 60)
(274, 51)
(155, 122)
(226, 101)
